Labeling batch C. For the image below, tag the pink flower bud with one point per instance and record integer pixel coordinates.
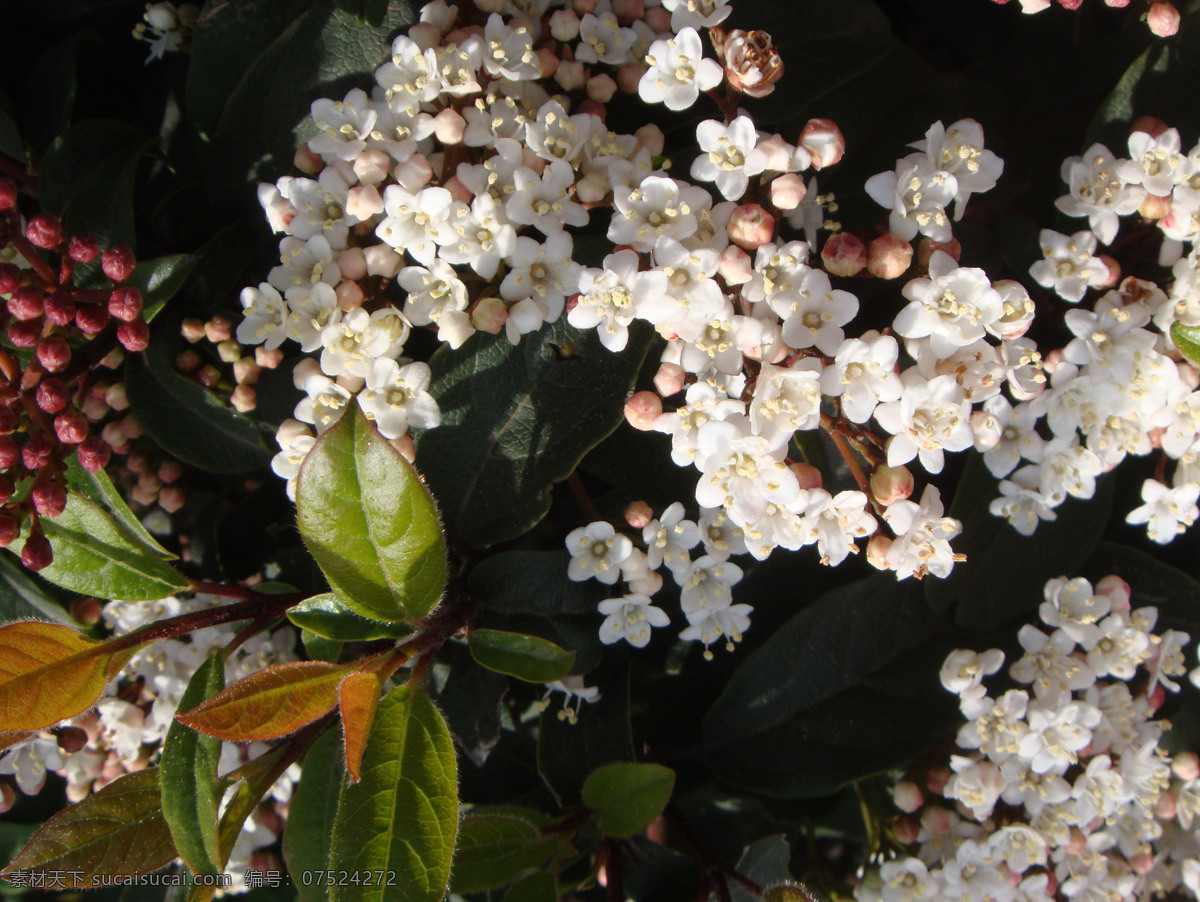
(591, 188)
(583, 7)
(51, 395)
(268, 360)
(787, 191)
(808, 476)
(170, 470)
(414, 173)
(891, 484)
(49, 499)
(172, 498)
(83, 248)
(44, 231)
(458, 190)
(54, 354)
(1117, 590)
(188, 361)
(570, 75)
(642, 409)
(824, 142)
(751, 226)
(1154, 207)
(986, 429)
(1114, 271)
(405, 446)
(244, 399)
(907, 830)
(10, 452)
(1163, 19)
(134, 336)
(889, 256)
(25, 334)
(736, 266)
(37, 553)
(928, 247)
(218, 329)
(93, 454)
(36, 453)
(670, 379)
(449, 126)
(382, 261)
(363, 202)
(9, 530)
(71, 427)
(629, 76)
(1165, 808)
(601, 88)
(547, 61)
(192, 330)
(26, 304)
(639, 514)
(73, 739)
(907, 796)
(371, 167)
(628, 11)
(1186, 765)
(60, 309)
(246, 371)
(490, 315)
(564, 25)
(877, 551)
(844, 254)
(1151, 125)
(935, 781)
(125, 304)
(209, 376)
(118, 263)
(306, 161)
(349, 295)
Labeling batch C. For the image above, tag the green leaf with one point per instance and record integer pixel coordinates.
(159, 279)
(493, 850)
(99, 488)
(23, 599)
(403, 815)
(318, 648)
(847, 687)
(102, 203)
(328, 616)
(765, 862)
(986, 587)
(529, 592)
(191, 792)
(516, 420)
(118, 831)
(310, 816)
(524, 657)
(540, 887)
(75, 152)
(1187, 340)
(627, 797)
(93, 555)
(50, 89)
(472, 700)
(184, 417)
(370, 523)
(322, 53)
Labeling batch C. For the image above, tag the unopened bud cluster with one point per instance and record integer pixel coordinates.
(59, 333)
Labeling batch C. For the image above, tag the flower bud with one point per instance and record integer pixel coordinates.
(824, 142)
(889, 256)
(986, 429)
(244, 399)
(25, 334)
(134, 336)
(670, 379)
(7, 489)
(10, 277)
(44, 231)
(37, 553)
(877, 551)
(83, 248)
(787, 191)
(414, 173)
(218, 329)
(60, 309)
(844, 254)
(752, 64)
(125, 304)
(1186, 765)
(1114, 271)
(118, 263)
(268, 360)
(583, 7)
(891, 484)
(564, 25)
(306, 161)
(8, 193)
(751, 226)
(49, 499)
(1151, 125)
(628, 11)
(642, 409)
(26, 304)
(570, 75)
(192, 330)
(591, 188)
(172, 498)
(10, 452)
(71, 427)
(54, 354)
(489, 315)
(928, 247)
(601, 88)
(906, 830)
(1154, 207)
(91, 318)
(1163, 19)
(209, 376)
(449, 126)
(629, 77)
(246, 371)
(93, 454)
(51, 395)
(907, 796)
(9, 529)
(349, 295)
(735, 267)
(229, 351)
(36, 453)
(73, 739)
(639, 514)
(787, 892)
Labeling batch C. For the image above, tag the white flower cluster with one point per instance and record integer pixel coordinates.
(126, 728)
(1060, 789)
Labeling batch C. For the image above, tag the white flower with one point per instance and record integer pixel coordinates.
(964, 669)
(573, 689)
(929, 418)
(1097, 191)
(917, 193)
(814, 313)
(658, 207)
(696, 13)
(597, 550)
(709, 625)
(678, 71)
(509, 52)
(343, 126)
(416, 223)
(959, 151)
(265, 317)
(603, 40)
(1021, 503)
(834, 521)
(431, 292)
(1167, 512)
(477, 236)
(923, 534)
(669, 539)
(741, 473)
(723, 153)
(953, 308)
(1069, 266)
(608, 297)
(1157, 163)
(395, 398)
(353, 344)
(630, 618)
(863, 374)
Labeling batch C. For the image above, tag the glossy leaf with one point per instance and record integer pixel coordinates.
(370, 523)
(188, 420)
(310, 816)
(21, 598)
(541, 887)
(269, 703)
(118, 831)
(472, 700)
(845, 688)
(98, 488)
(358, 699)
(766, 863)
(524, 657)
(159, 279)
(49, 672)
(75, 152)
(327, 615)
(403, 815)
(191, 793)
(1187, 340)
(102, 203)
(516, 420)
(93, 555)
(493, 850)
(627, 797)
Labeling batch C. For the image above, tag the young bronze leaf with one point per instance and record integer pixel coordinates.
(119, 831)
(270, 703)
(49, 672)
(358, 697)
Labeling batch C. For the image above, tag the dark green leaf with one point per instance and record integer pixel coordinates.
(10, 138)
(310, 816)
(99, 488)
(159, 279)
(191, 792)
(403, 815)
(319, 648)
(50, 88)
(103, 200)
(845, 688)
(1187, 340)
(516, 420)
(987, 588)
(188, 420)
(627, 797)
(654, 871)
(765, 862)
(328, 616)
(75, 152)
(322, 53)
(493, 850)
(23, 599)
(534, 888)
(471, 701)
(370, 523)
(529, 592)
(525, 657)
(93, 555)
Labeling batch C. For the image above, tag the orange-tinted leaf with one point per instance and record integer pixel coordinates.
(49, 672)
(358, 696)
(270, 703)
(12, 737)
(119, 831)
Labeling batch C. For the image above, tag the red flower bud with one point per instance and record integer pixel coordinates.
(60, 309)
(83, 248)
(26, 304)
(9, 529)
(91, 318)
(37, 553)
(134, 336)
(71, 739)
(8, 193)
(54, 353)
(44, 231)
(118, 263)
(94, 454)
(52, 395)
(125, 304)
(49, 499)
(36, 453)
(10, 452)
(10, 277)
(25, 334)
(71, 427)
